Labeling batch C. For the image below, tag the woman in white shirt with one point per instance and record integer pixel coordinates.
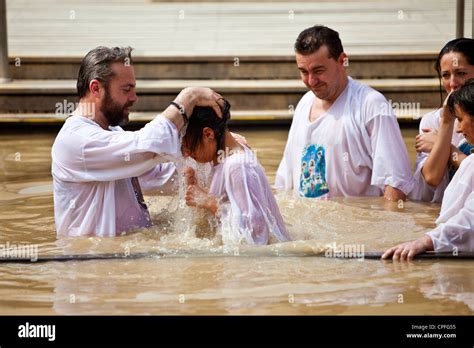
(455, 65)
(455, 225)
(239, 194)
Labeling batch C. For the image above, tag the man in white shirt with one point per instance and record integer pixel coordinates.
(344, 139)
(97, 167)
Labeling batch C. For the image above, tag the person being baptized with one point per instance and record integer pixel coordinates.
(239, 195)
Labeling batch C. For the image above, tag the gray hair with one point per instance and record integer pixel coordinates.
(97, 65)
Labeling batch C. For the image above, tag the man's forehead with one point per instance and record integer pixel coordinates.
(319, 57)
(123, 71)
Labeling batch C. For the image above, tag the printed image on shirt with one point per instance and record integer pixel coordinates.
(313, 172)
(466, 148)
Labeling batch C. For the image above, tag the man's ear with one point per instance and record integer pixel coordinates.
(343, 59)
(208, 133)
(94, 88)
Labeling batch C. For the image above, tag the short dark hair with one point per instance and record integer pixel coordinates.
(96, 65)
(311, 39)
(203, 117)
(464, 98)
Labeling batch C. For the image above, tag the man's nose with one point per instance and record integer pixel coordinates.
(312, 80)
(133, 98)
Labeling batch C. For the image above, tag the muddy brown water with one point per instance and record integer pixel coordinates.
(198, 276)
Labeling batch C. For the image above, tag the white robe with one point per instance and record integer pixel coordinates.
(455, 230)
(248, 211)
(92, 170)
(353, 149)
(422, 191)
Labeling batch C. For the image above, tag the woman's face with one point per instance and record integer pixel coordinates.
(455, 71)
(206, 149)
(465, 124)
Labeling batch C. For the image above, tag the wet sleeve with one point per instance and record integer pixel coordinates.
(457, 233)
(421, 190)
(284, 174)
(390, 162)
(104, 155)
(160, 180)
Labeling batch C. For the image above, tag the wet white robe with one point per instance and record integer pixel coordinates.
(92, 170)
(455, 230)
(248, 211)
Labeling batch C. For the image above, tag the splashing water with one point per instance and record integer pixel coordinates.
(180, 225)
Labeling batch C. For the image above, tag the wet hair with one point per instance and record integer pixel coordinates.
(464, 98)
(203, 117)
(310, 40)
(464, 46)
(97, 65)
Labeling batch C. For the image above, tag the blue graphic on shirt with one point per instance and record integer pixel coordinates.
(313, 172)
(466, 149)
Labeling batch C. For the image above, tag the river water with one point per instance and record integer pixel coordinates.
(196, 275)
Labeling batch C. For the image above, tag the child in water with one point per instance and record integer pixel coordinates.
(239, 194)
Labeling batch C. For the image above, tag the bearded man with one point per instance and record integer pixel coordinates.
(99, 169)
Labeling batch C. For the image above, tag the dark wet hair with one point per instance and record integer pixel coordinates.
(464, 46)
(96, 65)
(464, 98)
(203, 117)
(311, 39)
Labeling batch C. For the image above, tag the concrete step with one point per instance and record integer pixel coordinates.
(249, 117)
(239, 117)
(59, 96)
(418, 65)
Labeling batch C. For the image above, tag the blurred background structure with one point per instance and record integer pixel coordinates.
(244, 50)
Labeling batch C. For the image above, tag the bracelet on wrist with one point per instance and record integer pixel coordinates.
(181, 110)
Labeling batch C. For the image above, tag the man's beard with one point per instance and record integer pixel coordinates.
(113, 112)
